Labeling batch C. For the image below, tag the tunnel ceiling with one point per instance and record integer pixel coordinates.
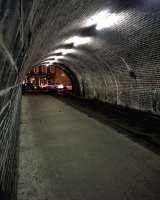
(112, 46)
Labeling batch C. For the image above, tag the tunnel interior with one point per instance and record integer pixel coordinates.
(115, 61)
(108, 48)
(112, 51)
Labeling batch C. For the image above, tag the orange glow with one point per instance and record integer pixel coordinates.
(43, 77)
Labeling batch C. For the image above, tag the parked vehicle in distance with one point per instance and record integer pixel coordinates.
(59, 89)
(27, 87)
(56, 88)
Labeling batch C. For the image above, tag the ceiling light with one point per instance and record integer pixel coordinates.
(104, 19)
(76, 40)
(64, 51)
(51, 57)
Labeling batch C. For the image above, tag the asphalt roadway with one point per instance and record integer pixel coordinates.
(67, 155)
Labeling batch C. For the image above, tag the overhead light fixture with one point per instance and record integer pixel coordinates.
(43, 63)
(51, 57)
(50, 62)
(55, 60)
(77, 40)
(55, 54)
(64, 51)
(104, 19)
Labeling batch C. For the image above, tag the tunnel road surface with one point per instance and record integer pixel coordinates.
(66, 155)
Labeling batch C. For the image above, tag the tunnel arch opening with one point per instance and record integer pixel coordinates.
(56, 78)
(73, 78)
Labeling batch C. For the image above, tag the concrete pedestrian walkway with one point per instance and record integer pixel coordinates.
(66, 155)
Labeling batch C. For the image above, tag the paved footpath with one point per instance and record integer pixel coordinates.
(66, 155)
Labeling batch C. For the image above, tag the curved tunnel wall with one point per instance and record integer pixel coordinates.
(120, 65)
